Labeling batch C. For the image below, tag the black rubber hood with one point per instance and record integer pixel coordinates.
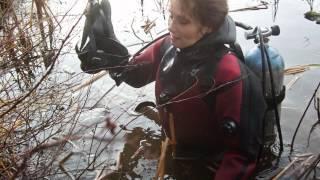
(226, 34)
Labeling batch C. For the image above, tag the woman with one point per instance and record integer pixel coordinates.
(215, 102)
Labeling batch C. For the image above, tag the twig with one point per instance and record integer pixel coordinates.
(90, 81)
(301, 119)
(161, 164)
(134, 33)
(293, 81)
(45, 75)
(102, 150)
(103, 96)
(36, 149)
(22, 98)
(164, 147)
(61, 165)
(285, 169)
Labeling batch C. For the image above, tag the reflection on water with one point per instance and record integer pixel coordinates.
(275, 9)
(139, 157)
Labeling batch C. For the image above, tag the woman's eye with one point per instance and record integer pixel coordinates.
(183, 21)
(179, 19)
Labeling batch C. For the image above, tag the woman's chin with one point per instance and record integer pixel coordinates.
(176, 44)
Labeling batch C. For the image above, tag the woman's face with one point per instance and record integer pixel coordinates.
(184, 28)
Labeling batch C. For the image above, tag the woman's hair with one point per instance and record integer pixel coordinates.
(210, 13)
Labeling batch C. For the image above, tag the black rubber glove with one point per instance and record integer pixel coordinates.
(103, 50)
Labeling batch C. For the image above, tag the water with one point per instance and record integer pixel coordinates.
(299, 43)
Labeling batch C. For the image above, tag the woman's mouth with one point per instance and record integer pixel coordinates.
(173, 38)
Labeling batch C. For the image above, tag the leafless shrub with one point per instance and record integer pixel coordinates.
(34, 105)
(40, 106)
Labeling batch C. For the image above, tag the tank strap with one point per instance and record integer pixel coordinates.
(236, 48)
(279, 98)
(220, 51)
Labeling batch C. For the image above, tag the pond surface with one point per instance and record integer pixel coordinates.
(298, 43)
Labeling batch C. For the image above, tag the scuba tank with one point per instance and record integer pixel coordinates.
(267, 63)
(253, 59)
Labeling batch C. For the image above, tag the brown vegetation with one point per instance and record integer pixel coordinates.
(33, 105)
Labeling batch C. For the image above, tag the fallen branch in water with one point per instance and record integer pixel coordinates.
(296, 70)
(300, 69)
(58, 142)
(299, 168)
(263, 5)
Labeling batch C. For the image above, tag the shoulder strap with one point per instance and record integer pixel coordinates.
(220, 51)
(236, 48)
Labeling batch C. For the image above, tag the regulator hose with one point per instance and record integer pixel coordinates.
(266, 59)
